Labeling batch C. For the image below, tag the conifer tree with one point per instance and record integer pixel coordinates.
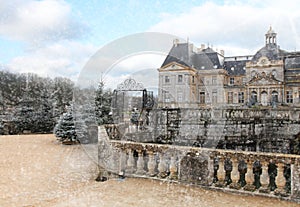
(103, 105)
(65, 128)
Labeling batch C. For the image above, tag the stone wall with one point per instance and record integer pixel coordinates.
(267, 130)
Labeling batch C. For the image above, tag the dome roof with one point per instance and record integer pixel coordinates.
(271, 51)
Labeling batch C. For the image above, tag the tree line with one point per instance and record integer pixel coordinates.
(33, 104)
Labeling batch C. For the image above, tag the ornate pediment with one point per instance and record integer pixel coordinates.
(264, 79)
(174, 66)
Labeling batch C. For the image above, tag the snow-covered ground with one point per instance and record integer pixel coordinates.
(35, 170)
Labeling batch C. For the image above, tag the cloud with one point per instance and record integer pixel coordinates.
(141, 67)
(236, 27)
(38, 22)
(64, 58)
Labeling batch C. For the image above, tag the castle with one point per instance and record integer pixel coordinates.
(193, 77)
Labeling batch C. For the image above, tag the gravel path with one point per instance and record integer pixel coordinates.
(36, 170)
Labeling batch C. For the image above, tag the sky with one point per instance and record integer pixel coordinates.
(58, 37)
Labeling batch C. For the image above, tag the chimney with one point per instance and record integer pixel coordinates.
(222, 52)
(175, 42)
(202, 46)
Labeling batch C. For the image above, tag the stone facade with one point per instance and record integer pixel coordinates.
(201, 77)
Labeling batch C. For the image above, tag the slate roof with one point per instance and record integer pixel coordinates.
(271, 51)
(209, 59)
(179, 53)
(292, 62)
(235, 67)
(206, 59)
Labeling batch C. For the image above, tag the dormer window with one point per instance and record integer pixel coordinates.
(274, 73)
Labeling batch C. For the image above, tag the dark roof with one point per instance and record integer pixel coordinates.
(206, 59)
(271, 51)
(236, 67)
(180, 53)
(292, 62)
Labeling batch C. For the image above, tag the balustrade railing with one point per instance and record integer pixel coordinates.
(261, 173)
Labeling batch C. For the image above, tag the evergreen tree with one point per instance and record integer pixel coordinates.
(84, 113)
(103, 105)
(44, 114)
(24, 116)
(62, 95)
(65, 128)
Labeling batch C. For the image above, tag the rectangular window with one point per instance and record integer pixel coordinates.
(167, 79)
(180, 78)
(244, 80)
(202, 97)
(193, 79)
(241, 97)
(289, 96)
(231, 81)
(214, 80)
(214, 97)
(230, 97)
(166, 96)
(179, 97)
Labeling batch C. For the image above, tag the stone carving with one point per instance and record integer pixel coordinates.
(194, 169)
(272, 171)
(257, 171)
(242, 167)
(228, 169)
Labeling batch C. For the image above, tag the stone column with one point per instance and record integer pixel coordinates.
(130, 162)
(221, 171)
(173, 168)
(151, 164)
(249, 174)
(235, 171)
(280, 179)
(140, 163)
(122, 163)
(264, 178)
(162, 168)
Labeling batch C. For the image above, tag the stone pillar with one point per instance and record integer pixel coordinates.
(264, 178)
(151, 164)
(130, 162)
(280, 179)
(221, 171)
(162, 168)
(211, 170)
(140, 163)
(173, 169)
(122, 163)
(249, 174)
(235, 171)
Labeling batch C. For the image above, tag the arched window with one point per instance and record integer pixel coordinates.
(253, 97)
(274, 97)
(264, 98)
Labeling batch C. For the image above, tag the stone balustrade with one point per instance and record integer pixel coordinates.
(271, 174)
